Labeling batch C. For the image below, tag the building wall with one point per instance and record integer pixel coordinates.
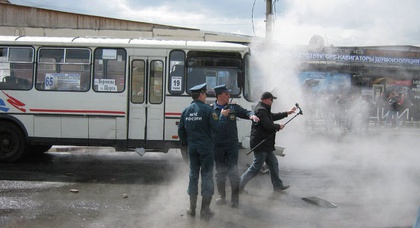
(30, 21)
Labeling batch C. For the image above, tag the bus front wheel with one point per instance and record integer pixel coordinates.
(12, 142)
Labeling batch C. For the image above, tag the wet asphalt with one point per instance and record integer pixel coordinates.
(372, 182)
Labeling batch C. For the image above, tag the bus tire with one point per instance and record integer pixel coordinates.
(13, 142)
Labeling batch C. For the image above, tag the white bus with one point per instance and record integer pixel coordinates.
(122, 93)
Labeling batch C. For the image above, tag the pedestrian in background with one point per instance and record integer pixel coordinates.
(226, 149)
(196, 128)
(263, 136)
(394, 101)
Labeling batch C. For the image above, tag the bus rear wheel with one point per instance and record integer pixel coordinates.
(12, 142)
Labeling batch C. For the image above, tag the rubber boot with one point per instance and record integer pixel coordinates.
(193, 205)
(206, 213)
(221, 187)
(235, 196)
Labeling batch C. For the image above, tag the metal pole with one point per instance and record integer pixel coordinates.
(269, 20)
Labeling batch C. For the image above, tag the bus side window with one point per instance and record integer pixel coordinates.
(63, 69)
(16, 67)
(137, 81)
(109, 69)
(176, 80)
(156, 76)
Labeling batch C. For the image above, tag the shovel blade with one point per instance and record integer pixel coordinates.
(279, 151)
(319, 202)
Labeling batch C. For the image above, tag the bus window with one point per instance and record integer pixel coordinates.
(137, 81)
(109, 70)
(63, 69)
(214, 69)
(156, 82)
(177, 72)
(16, 68)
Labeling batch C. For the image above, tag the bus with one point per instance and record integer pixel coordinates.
(98, 91)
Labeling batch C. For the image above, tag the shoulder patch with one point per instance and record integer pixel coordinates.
(215, 117)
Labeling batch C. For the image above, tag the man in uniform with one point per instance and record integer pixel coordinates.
(226, 145)
(196, 127)
(263, 136)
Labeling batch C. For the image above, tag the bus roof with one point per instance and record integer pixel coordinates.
(107, 41)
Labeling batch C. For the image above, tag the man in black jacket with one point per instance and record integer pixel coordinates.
(263, 134)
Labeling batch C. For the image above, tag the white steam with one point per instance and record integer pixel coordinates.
(364, 168)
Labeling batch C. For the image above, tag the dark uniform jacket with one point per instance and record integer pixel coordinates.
(227, 133)
(266, 128)
(197, 125)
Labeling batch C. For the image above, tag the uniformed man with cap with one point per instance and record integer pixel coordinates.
(227, 144)
(262, 141)
(196, 128)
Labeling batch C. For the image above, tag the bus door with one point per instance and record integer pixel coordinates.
(146, 117)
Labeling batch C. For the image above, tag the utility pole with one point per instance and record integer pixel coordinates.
(269, 20)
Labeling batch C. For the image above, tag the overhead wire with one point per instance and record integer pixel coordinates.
(252, 17)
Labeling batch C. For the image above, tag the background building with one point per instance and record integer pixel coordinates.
(31, 21)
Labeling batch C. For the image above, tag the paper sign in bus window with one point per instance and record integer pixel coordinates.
(106, 85)
(109, 54)
(59, 81)
(176, 83)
